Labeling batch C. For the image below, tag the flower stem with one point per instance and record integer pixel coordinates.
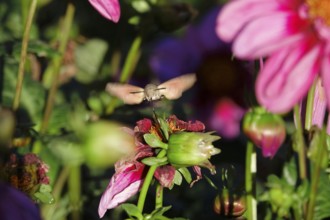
(56, 64)
(309, 106)
(147, 181)
(74, 185)
(300, 145)
(159, 196)
(25, 41)
(316, 170)
(250, 170)
(131, 60)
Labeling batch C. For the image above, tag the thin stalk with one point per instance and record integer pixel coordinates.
(309, 106)
(74, 187)
(159, 196)
(25, 41)
(47, 211)
(131, 60)
(250, 170)
(64, 36)
(315, 179)
(147, 181)
(300, 145)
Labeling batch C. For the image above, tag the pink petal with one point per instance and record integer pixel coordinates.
(122, 186)
(267, 34)
(226, 118)
(319, 105)
(287, 76)
(109, 9)
(236, 14)
(325, 70)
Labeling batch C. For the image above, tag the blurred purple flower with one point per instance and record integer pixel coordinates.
(109, 9)
(172, 56)
(226, 118)
(16, 205)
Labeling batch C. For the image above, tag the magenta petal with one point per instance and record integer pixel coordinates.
(325, 70)
(268, 33)
(287, 76)
(236, 14)
(110, 9)
(125, 183)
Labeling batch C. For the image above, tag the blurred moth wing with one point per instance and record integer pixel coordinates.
(173, 88)
(129, 94)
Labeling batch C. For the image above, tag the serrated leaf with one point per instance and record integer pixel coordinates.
(186, 174)
(151, 161)
(322, 207)
(153, 141)
(132, 210)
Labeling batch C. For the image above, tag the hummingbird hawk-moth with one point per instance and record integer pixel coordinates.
(171, 89)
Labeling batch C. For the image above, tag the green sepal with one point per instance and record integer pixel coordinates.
(177, 178)
(153, 141)
(164, 127)
(151, 161)
(186, 174)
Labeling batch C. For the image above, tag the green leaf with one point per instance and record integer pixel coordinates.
(210, 182)
(153, 141)
(132, 210)
(160, 211)
(290, 172)
(151, 161)
(186, 174)
(37, 47)
(89, 58)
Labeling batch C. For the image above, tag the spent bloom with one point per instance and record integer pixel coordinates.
(182, 140)
(293, 34)
(109, 9)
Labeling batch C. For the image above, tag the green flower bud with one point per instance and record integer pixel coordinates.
(191, 148)
(266, 130)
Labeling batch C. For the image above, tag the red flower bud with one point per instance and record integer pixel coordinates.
(266, 130)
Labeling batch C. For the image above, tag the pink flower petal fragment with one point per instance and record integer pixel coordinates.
(109, 9)
(325, 70)
(287, 76)
(319, 105)
(254, 42)
(237, 13)
(124, 184)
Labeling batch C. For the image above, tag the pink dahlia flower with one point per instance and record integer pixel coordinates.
(109, 9)
(293, 34)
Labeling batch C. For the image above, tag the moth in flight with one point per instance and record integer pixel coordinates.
(171, 89)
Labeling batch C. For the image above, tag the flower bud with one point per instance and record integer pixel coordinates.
(191, 148)
(105, 143)
(229, 205)
(266, 130)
